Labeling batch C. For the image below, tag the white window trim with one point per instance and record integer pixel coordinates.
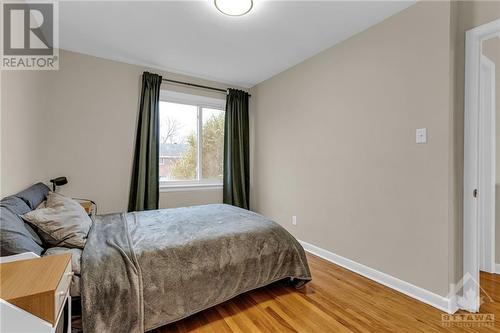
(200, 102)
(181, 98)
(190, 187)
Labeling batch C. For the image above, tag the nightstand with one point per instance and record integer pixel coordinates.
(35, 293)
(89, 206)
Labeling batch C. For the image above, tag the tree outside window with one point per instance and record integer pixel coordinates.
(183, 128)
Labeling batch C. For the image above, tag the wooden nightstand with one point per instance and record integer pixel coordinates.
(34, 293)
(88, 206)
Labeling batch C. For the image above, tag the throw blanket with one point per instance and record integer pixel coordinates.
(146, 269)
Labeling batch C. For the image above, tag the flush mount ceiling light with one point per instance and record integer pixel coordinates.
(234, 7)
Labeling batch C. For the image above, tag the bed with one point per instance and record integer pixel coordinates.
(142, 270)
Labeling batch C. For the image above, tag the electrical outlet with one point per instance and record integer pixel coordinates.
(294, 220)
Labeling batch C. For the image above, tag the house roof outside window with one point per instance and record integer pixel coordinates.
(173, 150)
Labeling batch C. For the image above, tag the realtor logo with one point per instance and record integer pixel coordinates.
(29, 36)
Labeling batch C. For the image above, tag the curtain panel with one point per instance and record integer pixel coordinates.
(236, 177)
(144, 188)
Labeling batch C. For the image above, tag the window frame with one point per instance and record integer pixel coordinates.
(200, 102)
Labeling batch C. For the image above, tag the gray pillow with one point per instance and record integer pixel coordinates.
(15, 205)
(14, 236)
(19, 207)
(63, 222)
(34, 194)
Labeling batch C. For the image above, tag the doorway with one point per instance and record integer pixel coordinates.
(480, 158)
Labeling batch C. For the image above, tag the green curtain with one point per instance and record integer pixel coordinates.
(144, 187)
(236, 150)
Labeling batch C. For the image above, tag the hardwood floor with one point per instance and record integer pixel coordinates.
(336, 300)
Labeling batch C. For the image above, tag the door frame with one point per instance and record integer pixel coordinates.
(472, 164)
(487, 158)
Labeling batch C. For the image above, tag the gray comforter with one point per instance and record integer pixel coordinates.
(146, 269)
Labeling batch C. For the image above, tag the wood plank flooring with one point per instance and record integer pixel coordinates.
(336, 300)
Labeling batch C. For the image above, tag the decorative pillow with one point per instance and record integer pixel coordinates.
(62, 223)
(34, 194)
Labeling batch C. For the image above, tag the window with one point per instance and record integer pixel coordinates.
(187, 123)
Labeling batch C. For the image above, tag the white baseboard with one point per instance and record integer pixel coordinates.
(497, 268)
(442, 303)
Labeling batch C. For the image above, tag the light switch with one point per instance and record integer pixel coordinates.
(421, 135)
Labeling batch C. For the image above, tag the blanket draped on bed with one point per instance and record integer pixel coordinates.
(146, 269)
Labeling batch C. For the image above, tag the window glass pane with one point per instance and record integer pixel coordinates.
(178, 141)
(212, 144)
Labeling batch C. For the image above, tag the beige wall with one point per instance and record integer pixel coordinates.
(80, 122)
(335, 145)
(344, 84)
(23, 157)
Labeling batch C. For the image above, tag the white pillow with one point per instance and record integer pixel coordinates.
(63, 221)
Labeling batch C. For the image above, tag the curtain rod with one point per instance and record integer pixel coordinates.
(197, 86)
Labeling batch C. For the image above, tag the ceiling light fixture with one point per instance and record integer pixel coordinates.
(234, 7)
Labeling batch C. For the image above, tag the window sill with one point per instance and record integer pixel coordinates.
(189, 187)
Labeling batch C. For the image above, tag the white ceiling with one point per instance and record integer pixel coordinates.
(192, 37)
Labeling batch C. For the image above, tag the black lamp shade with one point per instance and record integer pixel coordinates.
(59, 181)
